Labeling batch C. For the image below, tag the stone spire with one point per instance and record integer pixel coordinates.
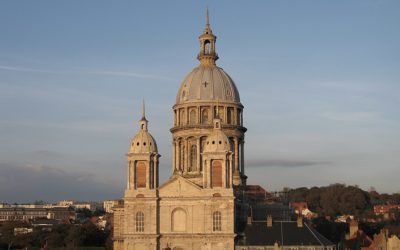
(207, 55)
(143, 110)
(143, 123)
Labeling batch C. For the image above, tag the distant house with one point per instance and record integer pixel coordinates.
(301, 208)
(387, 210)
(108, 205)
(22, 230)
(257, 193)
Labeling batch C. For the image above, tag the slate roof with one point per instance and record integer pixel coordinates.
(278, 211)
(285, 233)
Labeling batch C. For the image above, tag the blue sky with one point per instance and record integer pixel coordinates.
(319, 81)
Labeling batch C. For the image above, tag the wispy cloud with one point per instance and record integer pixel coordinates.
(131, 74)
(19, 69)
(349, 116)
(90, 72)
(259, 163)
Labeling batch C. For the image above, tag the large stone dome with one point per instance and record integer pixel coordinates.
(207, 83)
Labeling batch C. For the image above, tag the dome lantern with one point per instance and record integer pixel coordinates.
(207, 55)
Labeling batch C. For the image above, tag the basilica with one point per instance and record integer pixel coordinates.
(202, 205)
(196, 208)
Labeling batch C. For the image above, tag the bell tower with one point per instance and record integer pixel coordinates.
(143, 161)
(136, 217)
(218, 159)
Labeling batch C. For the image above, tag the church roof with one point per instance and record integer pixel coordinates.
(285, 233)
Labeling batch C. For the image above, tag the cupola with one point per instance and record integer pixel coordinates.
(143, 142)
(217, 141)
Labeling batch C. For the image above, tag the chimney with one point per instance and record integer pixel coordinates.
(353, 227)
(250, 217)
(300, 221)
(249, 220)
(269, 221)
(276, 246)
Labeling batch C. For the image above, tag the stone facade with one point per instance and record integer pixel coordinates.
(197, 208)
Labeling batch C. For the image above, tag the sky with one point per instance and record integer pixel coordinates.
(319, 80)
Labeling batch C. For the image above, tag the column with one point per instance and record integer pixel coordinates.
(155, 172)
(224, 173)
(198, 155)
(198, 119)
(173, 156)
(148, 173)
(242, 156)
(178, 156)
(230, 171)
(185, 155)
(204, 175)
(236, 155)
(133, 174)
(226, 115)
(128, 184)
(208, 164)
(235, 119)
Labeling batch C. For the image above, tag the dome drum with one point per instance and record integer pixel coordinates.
(203, 113)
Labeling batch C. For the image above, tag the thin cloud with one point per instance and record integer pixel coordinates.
(131, 74)
(283, 163)
(19, 69)
(90, 72)
(349, 116)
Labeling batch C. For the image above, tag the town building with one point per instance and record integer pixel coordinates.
(108, 205)
(358, 239)
(21, 213)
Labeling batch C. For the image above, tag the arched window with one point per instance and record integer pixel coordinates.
(219, 112)
(182, 117)
(139, 222)
(229, 116)
(204, 116)
(178, 220)
(193, 158)
(140, 175)
(192, 118)
(239, 117)
(207, 47)
(217, 221)
(216, 174)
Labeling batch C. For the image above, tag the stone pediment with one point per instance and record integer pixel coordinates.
(178, 186)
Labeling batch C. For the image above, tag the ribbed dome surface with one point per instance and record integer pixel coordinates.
(143, 142)
(207, 83)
